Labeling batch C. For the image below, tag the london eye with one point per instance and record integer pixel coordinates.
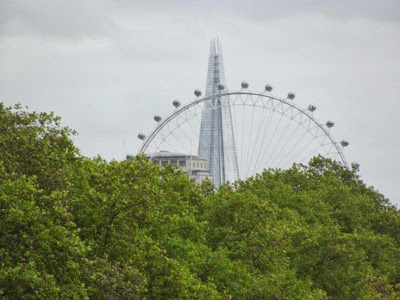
(238, 134)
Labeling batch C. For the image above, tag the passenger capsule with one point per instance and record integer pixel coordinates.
(312, 107)
(141, 136)
(197, 92)
(157, 118)
(344, 143)
(268, 88)
(291, 96)
(176, 103)
(220, 86)
(330, 124)
(245, 85)
(355, 165)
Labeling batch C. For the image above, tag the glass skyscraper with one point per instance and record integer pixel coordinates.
(217, 140)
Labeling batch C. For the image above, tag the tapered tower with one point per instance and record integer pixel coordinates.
(217, 142)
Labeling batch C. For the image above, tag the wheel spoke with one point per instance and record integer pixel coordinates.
(266, 132)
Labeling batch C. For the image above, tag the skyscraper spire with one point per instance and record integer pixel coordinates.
(217, 142)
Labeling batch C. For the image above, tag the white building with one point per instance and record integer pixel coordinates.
(195, 167)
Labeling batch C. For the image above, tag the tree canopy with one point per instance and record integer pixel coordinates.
(73, 227)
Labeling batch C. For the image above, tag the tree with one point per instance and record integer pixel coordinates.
(78, 227)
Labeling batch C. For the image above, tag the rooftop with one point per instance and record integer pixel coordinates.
(164, 154)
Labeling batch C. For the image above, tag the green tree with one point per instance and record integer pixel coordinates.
(73, 227)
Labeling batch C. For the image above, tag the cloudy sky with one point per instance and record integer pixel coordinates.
(108, 66)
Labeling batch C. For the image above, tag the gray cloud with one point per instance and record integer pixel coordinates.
(59, 18)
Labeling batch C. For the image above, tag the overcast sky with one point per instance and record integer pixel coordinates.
(107, 67)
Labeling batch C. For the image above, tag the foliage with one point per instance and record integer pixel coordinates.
(84, 228)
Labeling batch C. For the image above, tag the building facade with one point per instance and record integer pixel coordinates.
(195, 167)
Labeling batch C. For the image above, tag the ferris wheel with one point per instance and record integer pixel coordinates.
(266, 131)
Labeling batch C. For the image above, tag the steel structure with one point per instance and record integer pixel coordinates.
(270, 131)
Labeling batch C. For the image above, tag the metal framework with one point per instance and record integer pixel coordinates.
(270, 132)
